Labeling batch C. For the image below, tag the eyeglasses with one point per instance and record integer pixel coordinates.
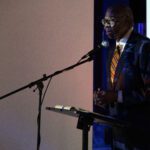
(110, 22)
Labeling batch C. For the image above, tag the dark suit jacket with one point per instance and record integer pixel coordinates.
(133, 79)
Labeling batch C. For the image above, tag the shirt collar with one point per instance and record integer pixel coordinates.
(123, 40)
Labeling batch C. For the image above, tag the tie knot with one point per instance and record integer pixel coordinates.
(118, 49)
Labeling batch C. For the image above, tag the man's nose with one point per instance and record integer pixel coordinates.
(107, 25)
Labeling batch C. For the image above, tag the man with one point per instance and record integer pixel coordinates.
(128, 80)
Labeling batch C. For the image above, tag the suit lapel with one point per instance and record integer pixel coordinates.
(122, 61)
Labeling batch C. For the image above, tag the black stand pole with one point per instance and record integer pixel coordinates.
(85, 139)
(84, 123)
(40, 87)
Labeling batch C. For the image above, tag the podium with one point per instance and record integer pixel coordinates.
(86, 120)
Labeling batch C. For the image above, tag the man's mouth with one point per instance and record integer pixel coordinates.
(108, 31)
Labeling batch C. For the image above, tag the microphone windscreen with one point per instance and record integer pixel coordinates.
(105, 44)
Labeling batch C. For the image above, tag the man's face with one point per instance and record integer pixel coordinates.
(115, 26)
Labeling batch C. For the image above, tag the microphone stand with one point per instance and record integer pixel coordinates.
(40, 87)
(44, 78)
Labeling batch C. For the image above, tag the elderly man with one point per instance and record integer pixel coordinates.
(128, 80)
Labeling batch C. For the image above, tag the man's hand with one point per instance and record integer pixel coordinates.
(104, 97)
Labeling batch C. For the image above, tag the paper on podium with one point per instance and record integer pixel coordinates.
(68, 110)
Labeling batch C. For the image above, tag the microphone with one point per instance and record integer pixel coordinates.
(90, 54)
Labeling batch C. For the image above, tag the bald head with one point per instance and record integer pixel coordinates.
(123, 11)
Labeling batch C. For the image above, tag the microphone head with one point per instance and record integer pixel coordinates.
(105, 44)
(93, 52)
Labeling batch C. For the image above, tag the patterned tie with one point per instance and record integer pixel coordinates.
(114, 62)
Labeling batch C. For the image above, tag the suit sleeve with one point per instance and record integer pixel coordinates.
(144, 63)
(138, 88)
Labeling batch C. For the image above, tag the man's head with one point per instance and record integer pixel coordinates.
(117, 21)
